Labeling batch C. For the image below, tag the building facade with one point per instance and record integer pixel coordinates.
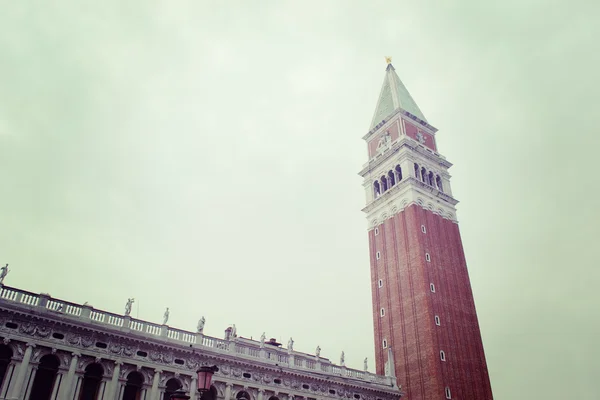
(423, 307)
(52, 349)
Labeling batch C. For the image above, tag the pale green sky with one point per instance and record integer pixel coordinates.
(204, 156)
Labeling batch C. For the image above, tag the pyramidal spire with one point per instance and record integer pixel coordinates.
(393, 96)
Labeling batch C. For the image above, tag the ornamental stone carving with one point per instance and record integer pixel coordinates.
(128, 350)
(73, 339)
(155, 355)
(87, 341)
(27, 328)
(192, 363)
(42, 331)
(115, 348)
(167, 358)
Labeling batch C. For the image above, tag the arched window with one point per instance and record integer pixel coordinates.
(210, 395)
(417, 171)
(376, 189)
(242, 395)
(44, 378)
(91, 382)
(430, 179)
(398, 171)
(6, 354)
(391, 178)
(133, 387)
(423, 175)
(438, 182)
(172, 386)
(384, 184)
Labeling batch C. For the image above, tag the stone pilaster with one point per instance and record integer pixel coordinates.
(17, 388)
(114, 383)
(66, 388)
(155, 381)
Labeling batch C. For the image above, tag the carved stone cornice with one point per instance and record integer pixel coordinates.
(149, 354)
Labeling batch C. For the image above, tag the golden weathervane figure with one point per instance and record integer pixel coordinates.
(388, 59)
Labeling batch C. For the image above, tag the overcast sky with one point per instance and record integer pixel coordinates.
(204, 156)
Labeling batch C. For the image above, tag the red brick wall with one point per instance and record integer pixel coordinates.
(410, 307)
(394, 130)
(411, 131)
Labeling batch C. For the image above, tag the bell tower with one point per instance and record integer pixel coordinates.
(423, 307)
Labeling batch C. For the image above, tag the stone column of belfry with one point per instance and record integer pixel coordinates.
(15, 392)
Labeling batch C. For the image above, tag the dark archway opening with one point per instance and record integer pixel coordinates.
(133, 387)
(6, 354)
(44, 378)
(172, 386)
(398, 170)
(242, 395)
(391, 178)
(210, 395)
(376, 189)
(91, 382)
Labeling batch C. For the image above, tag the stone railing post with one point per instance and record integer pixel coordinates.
(127, 322)
(19, 298)
(86, 311)
(164, 330)
(44, 297)
(199, 337)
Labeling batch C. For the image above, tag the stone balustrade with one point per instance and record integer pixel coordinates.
(240, 346)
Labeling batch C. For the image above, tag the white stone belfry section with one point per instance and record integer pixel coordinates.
(420, 173)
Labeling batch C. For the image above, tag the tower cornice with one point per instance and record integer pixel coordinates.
(424, 124)
(428, 191)
(413, 145)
